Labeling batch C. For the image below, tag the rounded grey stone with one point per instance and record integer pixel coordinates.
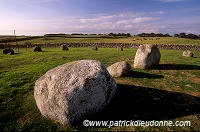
(188, 53)
(64, 47)
(119, 69)
(73, 91)
(147, 56)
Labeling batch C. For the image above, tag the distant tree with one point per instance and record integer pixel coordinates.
(160, 35)
(119, 34)
(152, 35)
(182, 35)
(128, 34)
(110, 34)
(76, 34)
(123, 34)
(55, 35)
(176, 35)
(166, 35)
(192, 36)
(143, 34)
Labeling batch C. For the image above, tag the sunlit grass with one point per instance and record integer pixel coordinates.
(176, 74)
(145, 40)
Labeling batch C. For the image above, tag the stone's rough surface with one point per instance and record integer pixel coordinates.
(120, 48)
(64, 47)
(37, 49)
(94, 48)
(119, 69)
(71, 92)
(147, 56)
(188, 53)
(8, 51)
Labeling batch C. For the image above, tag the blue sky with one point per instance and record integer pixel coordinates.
(38, 17)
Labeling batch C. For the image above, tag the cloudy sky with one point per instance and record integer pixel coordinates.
(38, 17)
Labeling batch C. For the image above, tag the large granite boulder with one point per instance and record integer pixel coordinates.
(188, 53)
(119, 69)
(73, 91)
(147, 56)
(64, 47)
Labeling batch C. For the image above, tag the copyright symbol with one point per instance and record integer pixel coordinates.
(86, 123)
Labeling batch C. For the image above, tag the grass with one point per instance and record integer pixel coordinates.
(162, 40)
(169, 92)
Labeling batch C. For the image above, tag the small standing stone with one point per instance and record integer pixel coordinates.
(8, 51)
(188, 53)
(95, 48)
(64, 47)
(12, 52)
(120, 48)
(147, 56)
(119, 69)
(37, 49)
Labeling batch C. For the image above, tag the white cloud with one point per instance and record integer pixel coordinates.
(44, 1)
(129, 14)
(148, 30)
(136, 20)
(157, 12)
(128, 26)
(97, 19)
(101, 23)
(118, 22)
(144, 19)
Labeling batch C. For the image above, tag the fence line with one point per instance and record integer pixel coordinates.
(104, 45)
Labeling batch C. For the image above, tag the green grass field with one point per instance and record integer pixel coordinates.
(162, 40)
(170, 92)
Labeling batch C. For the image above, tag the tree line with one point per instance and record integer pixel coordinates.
(120, 34)
(153, 35)
(184, 35)
(180, 35)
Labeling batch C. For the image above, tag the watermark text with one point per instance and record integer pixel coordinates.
(88, 123)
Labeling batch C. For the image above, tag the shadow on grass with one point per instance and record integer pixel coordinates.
(140, 103)
(177, 67)
(43, 51)
(13, 54)
(136, 74)
(17, 53)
